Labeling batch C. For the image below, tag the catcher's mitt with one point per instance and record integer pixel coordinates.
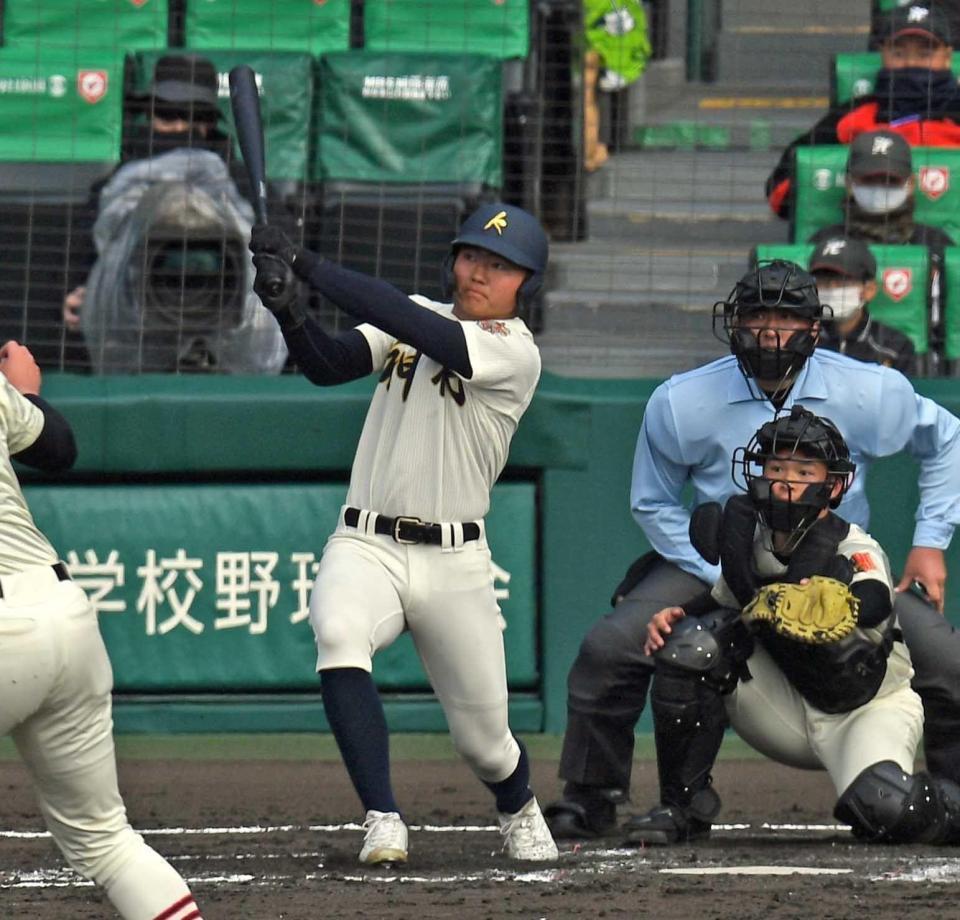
(821, 611)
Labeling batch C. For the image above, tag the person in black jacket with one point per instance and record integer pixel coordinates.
(880, 202)
(846, 271)
(915, 95)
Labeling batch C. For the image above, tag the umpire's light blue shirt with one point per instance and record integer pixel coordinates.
(694, 422)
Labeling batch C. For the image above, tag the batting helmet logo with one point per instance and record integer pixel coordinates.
(897, 283)
(498, 222)
(92, 85)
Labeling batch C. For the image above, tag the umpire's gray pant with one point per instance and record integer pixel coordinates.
(608, 682)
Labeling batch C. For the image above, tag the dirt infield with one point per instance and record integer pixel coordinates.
(275, 839)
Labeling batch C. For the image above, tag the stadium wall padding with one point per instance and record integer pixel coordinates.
(246, 475)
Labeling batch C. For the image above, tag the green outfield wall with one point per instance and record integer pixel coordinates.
(199, 507)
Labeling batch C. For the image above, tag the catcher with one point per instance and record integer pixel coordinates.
(797, 647)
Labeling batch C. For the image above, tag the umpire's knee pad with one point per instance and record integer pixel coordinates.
(887, 805)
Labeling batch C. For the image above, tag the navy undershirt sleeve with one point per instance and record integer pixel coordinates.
(55, 449)
(324, 359)
(384, 306)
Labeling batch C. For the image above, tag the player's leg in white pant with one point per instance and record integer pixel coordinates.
(355, 610)
(769, 714)
(68, 749)
(888, 728)
(458, 631)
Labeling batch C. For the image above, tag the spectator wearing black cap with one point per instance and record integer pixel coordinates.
(879, 207)
(950, 8)
(179, 110)
(916, 95)
(846, 272)
(170, 287)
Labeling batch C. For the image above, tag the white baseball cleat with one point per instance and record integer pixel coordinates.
(526, 835)
(385, 840)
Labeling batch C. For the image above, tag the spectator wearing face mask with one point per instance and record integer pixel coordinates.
(879, 206)
(916, 96)
(845, 271)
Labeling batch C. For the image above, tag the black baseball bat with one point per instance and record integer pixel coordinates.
(245, 103)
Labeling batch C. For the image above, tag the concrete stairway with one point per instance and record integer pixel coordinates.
(673, 214)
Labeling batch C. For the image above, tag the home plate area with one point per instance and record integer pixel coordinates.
(273, 839)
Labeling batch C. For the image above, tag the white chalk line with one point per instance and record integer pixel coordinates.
(576, 863)
(264, 829)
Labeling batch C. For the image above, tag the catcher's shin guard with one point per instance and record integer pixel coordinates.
(886, 805)
(696, 666)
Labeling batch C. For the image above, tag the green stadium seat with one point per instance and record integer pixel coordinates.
(409, 118)
(84, 24)
(903, 273)
(286, 101)
(500, 30)
(854, 75)
(277, 25)
(820, 177)
(60, 106)
(951, 298)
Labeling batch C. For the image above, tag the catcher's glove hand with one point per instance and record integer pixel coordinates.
(821, 611)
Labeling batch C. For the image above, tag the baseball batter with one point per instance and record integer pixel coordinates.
(56, 677)
(799, 645)
(410, 551)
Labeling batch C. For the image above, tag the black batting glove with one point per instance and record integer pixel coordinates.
(268, 240)
(277, 289)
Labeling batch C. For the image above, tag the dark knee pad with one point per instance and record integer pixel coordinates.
(887, 805)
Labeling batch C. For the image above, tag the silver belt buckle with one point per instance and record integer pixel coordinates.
(397, 521)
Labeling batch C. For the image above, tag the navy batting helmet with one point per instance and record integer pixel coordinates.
(507, 231)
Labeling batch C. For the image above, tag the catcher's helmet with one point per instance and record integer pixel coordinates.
(507, 231)
(799, 436)
(770, 285)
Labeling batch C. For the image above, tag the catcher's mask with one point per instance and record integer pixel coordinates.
(770, 285)
(507, 231)
(800, 436)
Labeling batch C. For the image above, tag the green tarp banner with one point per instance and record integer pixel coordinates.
(117, 25)
(951, 313)
(314, 26)
(499, 28)
(821, 188)
(203, 588)
(285, 80)
(855, 74)
(410, 118)
(903, 274)
(60, 106)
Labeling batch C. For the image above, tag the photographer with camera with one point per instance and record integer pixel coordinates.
(171, 288)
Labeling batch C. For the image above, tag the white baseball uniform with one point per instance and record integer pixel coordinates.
(770, 714)
(432, 446)
(55, 683)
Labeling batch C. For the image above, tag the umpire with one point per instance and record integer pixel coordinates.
(691, 426)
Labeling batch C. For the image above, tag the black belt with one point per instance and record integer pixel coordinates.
(59, 569)
(411, 529)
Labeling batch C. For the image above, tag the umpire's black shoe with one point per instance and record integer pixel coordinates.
(664, 825)
(668, 824)
(581, 816)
